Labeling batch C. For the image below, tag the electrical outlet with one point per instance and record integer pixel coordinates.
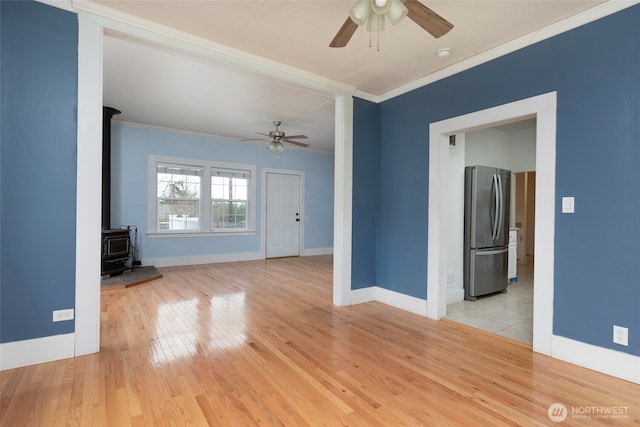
(62, 315)
(620, 335)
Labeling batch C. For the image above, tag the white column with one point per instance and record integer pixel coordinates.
(343, 189)
(437, 243)
(88, 197)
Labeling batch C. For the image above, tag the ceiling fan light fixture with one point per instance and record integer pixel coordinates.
(380, 7)
(276, 146)
(371, 11)
(397, 11)
(360, 11)
(375, 23)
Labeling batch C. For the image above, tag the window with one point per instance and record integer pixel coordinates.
(179, 202)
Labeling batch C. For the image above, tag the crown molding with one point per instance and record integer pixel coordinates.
(151, 31)
(219, 138)
(60, 4)
(130, 25)
(565, 25)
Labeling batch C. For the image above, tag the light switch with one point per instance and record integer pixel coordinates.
(568, 205)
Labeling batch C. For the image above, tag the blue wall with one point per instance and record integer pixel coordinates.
(366, 163)
(595, 70)
(131, 147)
(39, 83)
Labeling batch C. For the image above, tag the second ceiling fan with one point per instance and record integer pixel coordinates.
(277, 137)
(373, 12)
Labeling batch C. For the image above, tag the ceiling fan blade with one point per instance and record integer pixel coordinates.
(301, 144)
(265, 134)
(432, 23)
(344, 34)
(297, 137)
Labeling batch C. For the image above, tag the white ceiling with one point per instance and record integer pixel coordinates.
(190, 90)
(158, 86)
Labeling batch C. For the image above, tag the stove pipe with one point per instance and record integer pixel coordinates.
(107, 114)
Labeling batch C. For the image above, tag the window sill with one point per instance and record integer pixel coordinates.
(171, 235)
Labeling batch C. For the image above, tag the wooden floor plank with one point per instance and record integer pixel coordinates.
(260, 343)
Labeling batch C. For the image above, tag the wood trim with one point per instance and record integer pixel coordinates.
(201, 259)
(88, 188)
(17, 354)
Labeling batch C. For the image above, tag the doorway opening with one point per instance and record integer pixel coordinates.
(543, 109)
(511, 147)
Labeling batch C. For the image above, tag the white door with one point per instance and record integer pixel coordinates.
(283, 215)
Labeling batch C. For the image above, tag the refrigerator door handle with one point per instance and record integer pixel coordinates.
(501, 215)
(494, 225)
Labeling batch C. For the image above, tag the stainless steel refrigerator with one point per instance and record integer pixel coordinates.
(486, 230)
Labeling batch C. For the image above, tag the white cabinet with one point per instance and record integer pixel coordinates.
(513, 255)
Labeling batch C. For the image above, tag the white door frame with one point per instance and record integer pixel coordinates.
(543, 108)
(263, 208)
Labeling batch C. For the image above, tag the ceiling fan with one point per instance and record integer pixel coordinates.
(373, 13)
(277, 137)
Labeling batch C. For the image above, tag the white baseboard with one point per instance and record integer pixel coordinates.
(218, 258)
(359, 296)
(405, 302)
(317, 251)
(454, 295)
(610, 362)
(392, 298)
(38, 350)
(201, 259)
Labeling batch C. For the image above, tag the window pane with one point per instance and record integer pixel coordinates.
(240, 188)
(178, 197)
(228, 215)
(219, 187)
(178, 186)
(176, 215)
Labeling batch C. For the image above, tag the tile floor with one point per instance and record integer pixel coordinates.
(509, 314)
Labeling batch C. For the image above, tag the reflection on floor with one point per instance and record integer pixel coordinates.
(509, 314)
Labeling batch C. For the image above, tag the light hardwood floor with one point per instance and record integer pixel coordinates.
(260, 343)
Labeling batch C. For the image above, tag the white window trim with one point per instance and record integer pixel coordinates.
(205, 198)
